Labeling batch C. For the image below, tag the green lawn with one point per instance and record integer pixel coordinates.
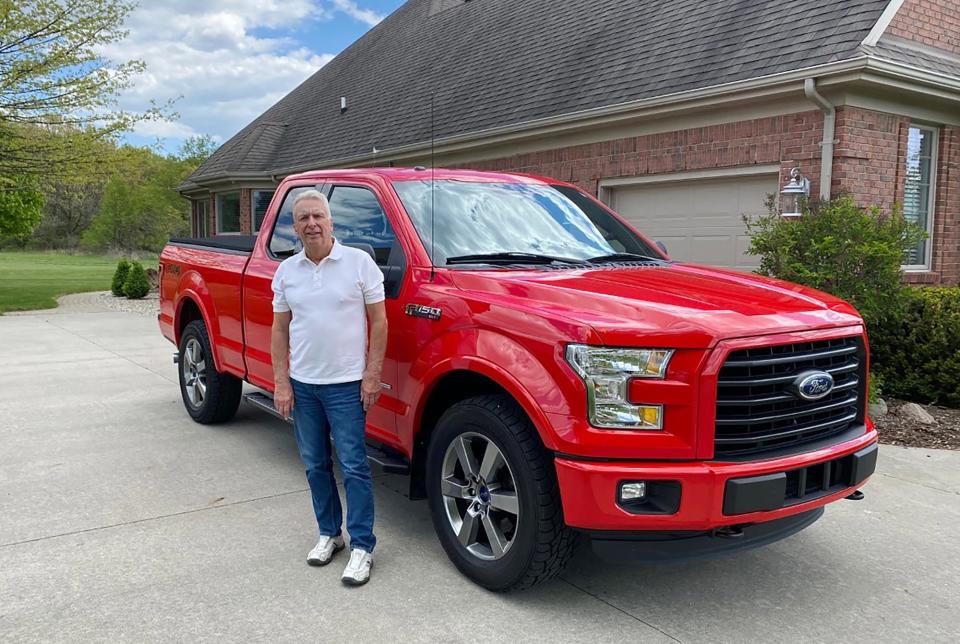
(31, 281)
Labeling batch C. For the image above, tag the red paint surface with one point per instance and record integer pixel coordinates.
(513, 325)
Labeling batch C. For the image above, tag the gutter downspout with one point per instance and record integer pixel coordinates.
(829, 130)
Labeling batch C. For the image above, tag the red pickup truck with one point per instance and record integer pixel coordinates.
(551, 373)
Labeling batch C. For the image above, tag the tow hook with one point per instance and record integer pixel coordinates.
(728, 532)
(176, 357)
(856, 496)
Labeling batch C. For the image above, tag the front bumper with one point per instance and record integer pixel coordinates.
(715, 494)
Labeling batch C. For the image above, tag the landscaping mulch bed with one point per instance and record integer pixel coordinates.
(896, 430)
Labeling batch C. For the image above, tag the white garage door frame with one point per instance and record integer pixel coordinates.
(605, 190)
(702, 182)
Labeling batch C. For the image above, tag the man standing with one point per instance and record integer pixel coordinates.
(322, 297)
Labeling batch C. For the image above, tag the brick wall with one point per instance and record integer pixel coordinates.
(931, 22)
(869, 157)
(213, 215)
(786, 140)
(246, 224)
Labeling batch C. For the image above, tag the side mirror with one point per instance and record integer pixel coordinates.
(662, 247)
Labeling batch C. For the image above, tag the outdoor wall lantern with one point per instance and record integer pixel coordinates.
(798, 186)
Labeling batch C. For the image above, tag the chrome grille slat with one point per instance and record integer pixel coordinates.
(782, 379)
(756, 411)
(788, 359)
(851, 384)
(792, 432)
(846, 402)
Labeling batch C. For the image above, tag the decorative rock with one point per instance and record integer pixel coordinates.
(914, 412)
(877, 409)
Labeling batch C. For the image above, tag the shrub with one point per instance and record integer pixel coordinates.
(917, 353)
(120, 277)
(136, 285)
(851, 252)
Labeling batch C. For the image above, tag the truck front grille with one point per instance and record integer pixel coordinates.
(756, 411)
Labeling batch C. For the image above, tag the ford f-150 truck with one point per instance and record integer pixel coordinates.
(550, 372)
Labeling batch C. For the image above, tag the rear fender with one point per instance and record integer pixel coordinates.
(192, 288)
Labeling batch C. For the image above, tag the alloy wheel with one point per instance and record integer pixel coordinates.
(480, 496)
(194, 372)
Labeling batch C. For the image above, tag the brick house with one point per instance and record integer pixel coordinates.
(682, 115)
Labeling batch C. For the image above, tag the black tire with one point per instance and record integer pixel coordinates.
(221, 397)
(541, 544)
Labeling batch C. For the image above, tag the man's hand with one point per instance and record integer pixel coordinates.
(283, 398)
(370, 389)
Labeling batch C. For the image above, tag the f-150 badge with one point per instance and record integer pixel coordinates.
(423, 311)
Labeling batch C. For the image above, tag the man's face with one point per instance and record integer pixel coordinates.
(313, 224)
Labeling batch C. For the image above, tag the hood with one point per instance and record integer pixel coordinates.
(676, 305)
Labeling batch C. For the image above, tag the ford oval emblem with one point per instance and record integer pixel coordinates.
(812, 385)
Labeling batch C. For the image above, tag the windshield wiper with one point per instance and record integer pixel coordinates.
(512, 258)
(623, 257)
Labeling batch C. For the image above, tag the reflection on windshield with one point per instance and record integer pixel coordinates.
(480, 218)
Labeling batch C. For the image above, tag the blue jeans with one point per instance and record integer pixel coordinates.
(318, 412)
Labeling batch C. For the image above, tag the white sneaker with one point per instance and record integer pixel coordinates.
(357, 572)
(323, 552)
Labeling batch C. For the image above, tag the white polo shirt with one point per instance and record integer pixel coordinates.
(328, 332)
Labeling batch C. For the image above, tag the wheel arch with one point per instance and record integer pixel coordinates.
(190, 307)
(472, 377)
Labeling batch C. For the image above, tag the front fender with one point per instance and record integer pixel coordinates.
(518, 370)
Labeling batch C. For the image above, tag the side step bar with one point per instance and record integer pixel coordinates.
(388, 460)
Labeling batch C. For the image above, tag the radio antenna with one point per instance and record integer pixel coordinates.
(432, 241)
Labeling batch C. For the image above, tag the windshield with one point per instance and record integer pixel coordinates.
(512, 218)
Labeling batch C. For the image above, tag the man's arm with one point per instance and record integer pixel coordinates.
(280, 354)
(377, 314)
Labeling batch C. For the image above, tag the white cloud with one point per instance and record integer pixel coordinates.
(350, 8)
(213, 57)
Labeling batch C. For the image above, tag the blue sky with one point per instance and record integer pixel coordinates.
(226, 61)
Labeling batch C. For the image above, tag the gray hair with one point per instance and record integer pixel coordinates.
(312, 194)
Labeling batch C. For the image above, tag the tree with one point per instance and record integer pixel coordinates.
(57, 92)
(136, 285)
(140, 208)
(70, 206)
(120, 277)
(196, 149)
(20, 207)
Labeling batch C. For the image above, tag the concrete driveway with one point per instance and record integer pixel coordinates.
(122, 520)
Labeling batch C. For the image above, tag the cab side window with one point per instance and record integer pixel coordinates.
(283, 240)
(358, 218)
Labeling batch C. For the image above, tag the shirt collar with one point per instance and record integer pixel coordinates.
(335, 253)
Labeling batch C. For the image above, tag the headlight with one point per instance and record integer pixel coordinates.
(606, 371)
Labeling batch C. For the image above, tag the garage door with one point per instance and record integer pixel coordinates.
(699, 220)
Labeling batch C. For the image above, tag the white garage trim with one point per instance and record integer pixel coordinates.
(604, 189)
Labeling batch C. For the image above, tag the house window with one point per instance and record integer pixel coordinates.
(228, 212)
(919, 190)
(201, 218)
(259, 201)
